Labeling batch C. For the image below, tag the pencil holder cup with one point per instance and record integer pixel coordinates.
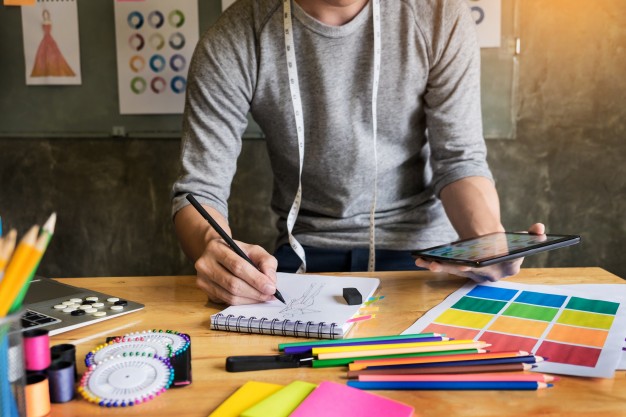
(12, 374)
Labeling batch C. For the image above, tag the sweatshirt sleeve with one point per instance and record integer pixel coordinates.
(219, 90)
(452, 97)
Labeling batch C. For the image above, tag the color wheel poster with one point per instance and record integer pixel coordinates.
(155, 40)
(580, 332)
(51, 46)
(488, 15)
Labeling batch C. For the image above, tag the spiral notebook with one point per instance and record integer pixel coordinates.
(315, 308)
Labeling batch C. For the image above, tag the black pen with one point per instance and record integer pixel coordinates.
(227, 238)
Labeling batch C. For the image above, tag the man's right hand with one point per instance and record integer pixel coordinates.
(228, 278)
(225, 276)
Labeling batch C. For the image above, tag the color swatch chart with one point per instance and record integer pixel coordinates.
(578, 333)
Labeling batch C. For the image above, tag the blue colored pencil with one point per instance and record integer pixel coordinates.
(516, 359)
(307, 348)
(450, 385)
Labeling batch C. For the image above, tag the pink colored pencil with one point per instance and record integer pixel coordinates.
(486, 377)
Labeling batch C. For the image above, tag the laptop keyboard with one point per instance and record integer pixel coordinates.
(32, 319)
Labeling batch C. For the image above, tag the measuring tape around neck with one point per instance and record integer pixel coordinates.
(296, 100)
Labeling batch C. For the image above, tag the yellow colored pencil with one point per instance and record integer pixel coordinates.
(47, 230)
(419, 349)
(15, 275)
(6, 249)
(359, 348)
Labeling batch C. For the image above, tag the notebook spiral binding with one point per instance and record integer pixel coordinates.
(263, 325)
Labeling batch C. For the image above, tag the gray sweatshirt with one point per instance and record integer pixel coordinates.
(429, 118)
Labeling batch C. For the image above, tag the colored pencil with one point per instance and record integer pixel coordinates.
(6, 249)
(391, 346)
(505, 367)
(304, 349)
(311, 344)
(454, 385)
(47, 231)
(362, 364)
(531, 359)
(491, 377)
(347, 361)
(415, 349)
(15, 276)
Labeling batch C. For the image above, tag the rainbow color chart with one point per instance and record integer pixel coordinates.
(581, 333)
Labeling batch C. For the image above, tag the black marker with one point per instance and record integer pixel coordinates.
(227, 238)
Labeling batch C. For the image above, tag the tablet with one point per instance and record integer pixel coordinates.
(494, 247)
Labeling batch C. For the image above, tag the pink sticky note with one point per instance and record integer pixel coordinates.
(331, 399)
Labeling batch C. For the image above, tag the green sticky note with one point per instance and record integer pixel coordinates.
(281, 403)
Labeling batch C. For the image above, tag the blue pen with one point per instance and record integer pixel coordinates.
(450, 385)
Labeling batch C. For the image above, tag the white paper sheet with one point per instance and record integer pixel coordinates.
(611, 353)
(51, 45)
(310, 299)
(488, 16)
(155, 40)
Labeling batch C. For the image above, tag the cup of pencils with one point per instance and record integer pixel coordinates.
(18, 264)
(12, 374)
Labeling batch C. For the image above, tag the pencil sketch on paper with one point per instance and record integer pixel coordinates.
(302, 305)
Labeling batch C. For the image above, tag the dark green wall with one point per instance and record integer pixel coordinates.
(565, 168)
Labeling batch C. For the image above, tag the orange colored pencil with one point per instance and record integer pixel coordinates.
(16, 271)
(362, 364)
(7, 246)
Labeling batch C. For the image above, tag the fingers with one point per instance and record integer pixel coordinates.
(491, 273)
(227, 277)
(537, 229)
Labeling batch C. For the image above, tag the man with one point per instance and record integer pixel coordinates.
(373, 126)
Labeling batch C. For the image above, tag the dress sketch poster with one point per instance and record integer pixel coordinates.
(488, 15)
(155, 40)
(51, 45)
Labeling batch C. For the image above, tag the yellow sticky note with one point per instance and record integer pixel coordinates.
(281, 403)
(19, 2)
(245, 397)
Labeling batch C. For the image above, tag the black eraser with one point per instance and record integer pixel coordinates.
(352, 296)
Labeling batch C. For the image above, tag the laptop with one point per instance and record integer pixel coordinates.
(60, 307)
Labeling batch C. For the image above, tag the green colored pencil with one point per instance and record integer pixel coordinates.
(316, 343)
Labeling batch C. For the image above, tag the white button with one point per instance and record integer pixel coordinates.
(100, 314)
(91, 310)
(67, 302)
(113, 299)
(85, 307)
(69, 309)
(91, 298)
(117, 308)
(97, 305)
(59, 306)
(76, 300)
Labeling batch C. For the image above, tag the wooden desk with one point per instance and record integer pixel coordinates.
(175, 303)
